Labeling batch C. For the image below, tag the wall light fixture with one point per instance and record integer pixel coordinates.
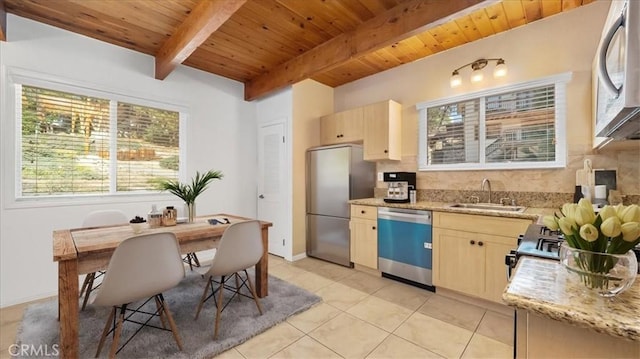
(477, 74)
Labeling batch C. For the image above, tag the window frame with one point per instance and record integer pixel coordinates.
(559, 82)
(13, 80)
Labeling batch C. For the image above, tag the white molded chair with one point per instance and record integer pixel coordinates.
(141, 267)
(240, 248)
(110, 217)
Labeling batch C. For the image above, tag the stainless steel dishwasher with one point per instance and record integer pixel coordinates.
(404, 245)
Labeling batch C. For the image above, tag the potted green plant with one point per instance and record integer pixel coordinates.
(189, 192)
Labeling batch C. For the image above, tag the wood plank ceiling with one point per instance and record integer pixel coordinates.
(269, 44)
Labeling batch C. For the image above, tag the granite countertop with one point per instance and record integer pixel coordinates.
(530, 213)
(541, 286)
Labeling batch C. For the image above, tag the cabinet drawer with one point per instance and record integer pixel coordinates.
(501, 226)
(365, 212)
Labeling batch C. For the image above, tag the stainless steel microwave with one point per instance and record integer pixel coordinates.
(616, 73)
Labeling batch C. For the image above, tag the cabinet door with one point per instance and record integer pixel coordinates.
(364, 242)
(382, 131)
(350, 125)
(495, 269)
(460, 264)
(329, 129)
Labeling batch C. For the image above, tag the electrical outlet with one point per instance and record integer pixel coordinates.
(380, 177)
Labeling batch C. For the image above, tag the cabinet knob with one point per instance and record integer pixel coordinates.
(472, 242)
(480, 244)
(337, 136)
(374, 228)
(386, 151)
(363, 212)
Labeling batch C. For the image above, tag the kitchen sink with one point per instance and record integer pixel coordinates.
(489, 207)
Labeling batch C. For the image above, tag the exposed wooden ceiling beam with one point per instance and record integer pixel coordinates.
(396, 24)
(3, 22)
(203, 20)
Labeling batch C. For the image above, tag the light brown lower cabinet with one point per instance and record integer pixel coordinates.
(541, 337)
(364, 236)
(469, 252)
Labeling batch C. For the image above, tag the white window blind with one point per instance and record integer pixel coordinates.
(73, 144)
(520, 126)
(517, 127)
(453, 133)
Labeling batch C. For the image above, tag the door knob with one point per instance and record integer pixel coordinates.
(261, 196)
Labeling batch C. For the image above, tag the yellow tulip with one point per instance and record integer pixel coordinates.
(583, 202)
(589, 232)
(611, 227)
(630, 231)
(607, 212)
(550, 222)
(584, 215)
(567, 225)
(631, 214)
(619, 209)
(568, 209)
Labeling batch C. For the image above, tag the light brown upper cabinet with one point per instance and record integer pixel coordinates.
(341, 127)
(383, 131)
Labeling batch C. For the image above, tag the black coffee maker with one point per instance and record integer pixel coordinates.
(398, 186)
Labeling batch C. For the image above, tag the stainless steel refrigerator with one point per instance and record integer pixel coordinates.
(335, 174)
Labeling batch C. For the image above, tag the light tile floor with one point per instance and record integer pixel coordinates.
(361, 316)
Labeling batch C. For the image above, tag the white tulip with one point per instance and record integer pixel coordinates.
(630, 231)
(610, 227)
(631, 214)
(550, 222)
(584, 215)
(607, 212)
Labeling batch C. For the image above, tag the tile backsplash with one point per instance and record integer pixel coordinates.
(547, 188)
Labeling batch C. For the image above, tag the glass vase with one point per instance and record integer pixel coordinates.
(191, 212)
(606, 274)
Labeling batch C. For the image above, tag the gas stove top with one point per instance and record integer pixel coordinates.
(540, 241)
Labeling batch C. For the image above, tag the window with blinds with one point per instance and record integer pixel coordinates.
(517, 127)
(73, 144)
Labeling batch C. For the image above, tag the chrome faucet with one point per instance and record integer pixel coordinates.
(488, 183)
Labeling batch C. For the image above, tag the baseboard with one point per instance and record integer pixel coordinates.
(33, 298)
(496, 307)
(298, 257)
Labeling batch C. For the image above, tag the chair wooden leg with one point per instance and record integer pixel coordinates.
(204, 296)
(107, 326)
(219, 309)
(118, 331)
(172, 324)
(253, 292)
(159, 307)
(86, 282)
(89, 288)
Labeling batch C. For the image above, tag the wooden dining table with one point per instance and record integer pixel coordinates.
(87, 250)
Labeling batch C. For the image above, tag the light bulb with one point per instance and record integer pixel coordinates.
(476, 76)
(456, 79)
(500, 70)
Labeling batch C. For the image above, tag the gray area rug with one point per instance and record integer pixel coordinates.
(240, 321)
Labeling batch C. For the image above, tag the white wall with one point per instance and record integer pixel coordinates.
(221, 134)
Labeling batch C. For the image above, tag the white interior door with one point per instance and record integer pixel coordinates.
(272, 185)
